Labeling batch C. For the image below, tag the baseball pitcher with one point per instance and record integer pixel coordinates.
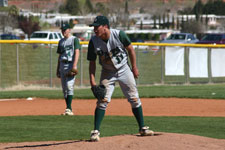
(113, 48)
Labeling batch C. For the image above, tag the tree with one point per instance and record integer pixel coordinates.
(178, 23)
(192, 26)
(126, 15)
(71, 7)
(173, 22)
(164, 21)
(154, 24)
(141, 10)
(208, 9)
(214, 7)
(159, 21)
(201, 19)
(168, 21)
(182, 19)
(219, 7)
(126, 11)
(62, 9)
(187, 10)
(100, 8)
(115, 10)
(206, 21)
(13, 14)
(13, 11)
(198, 9)
(187, 18)
(141, 25)
(88, 6)
(28, 24)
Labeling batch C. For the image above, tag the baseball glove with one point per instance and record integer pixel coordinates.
(72, 72)
(99, 91)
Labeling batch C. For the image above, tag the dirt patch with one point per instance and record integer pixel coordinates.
(151, 107)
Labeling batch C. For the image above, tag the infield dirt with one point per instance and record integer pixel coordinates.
(151, 107)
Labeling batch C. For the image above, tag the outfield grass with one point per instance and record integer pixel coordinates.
(51, 128)
(59, 128)
(215, 91)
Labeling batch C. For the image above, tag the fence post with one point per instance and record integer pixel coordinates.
(187, 65)
(81, 66)
(17, 64)
(162, 63)
(137, 59)
(50, 84)
(0, 65)
(209, 65)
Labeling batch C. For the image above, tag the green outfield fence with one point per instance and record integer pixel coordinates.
(34, 63)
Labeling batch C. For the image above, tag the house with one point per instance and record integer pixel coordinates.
(3, 3)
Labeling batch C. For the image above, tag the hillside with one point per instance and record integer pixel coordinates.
(149, 6)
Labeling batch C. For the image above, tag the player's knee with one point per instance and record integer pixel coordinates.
(70, 87)
(135, 105)
(135, 102)
(102, 105)
(70, 92)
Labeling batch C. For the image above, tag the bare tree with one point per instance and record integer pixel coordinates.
(193, 26)
(28, 25)
(116, 8)
(100, 8)
(12, 16)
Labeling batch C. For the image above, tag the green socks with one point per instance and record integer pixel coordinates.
(99, 115)
(139, 116)
(69, 102)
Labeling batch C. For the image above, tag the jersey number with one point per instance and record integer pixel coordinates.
(119, 58)
(117, 54)
(68, 53)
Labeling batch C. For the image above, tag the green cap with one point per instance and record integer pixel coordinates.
(65, 26)
(100, 20)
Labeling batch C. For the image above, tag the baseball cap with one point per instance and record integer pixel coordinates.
(65, 26)
(100, 20)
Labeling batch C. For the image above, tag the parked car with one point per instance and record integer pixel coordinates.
(212, 38)
(46, 36)
(180, 38)
(9, 37)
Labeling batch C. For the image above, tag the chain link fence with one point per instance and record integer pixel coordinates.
(34, 64)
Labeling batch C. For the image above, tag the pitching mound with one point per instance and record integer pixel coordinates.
(161, 141)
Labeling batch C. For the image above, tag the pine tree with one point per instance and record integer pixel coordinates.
(173, 22)
(178, 23)
(154, 26)
(72, 7)
(198, 9)
(88, 6)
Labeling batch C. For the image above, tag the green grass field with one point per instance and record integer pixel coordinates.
(215, 91)
(59, 128)
(50, 128)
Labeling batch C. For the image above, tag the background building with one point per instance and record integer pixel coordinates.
(3, 3)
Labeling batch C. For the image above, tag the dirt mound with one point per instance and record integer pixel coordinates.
(161, 141)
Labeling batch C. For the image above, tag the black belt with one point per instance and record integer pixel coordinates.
(66, 61)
